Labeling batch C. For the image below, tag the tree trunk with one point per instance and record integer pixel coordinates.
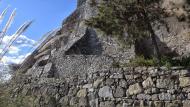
(154, 42)
(153, 37)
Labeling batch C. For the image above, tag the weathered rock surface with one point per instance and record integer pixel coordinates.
(105, 92)
(148, 83)
(165, 83)
(135, 89)
(184, 81)
(82, 93)
(119, 92)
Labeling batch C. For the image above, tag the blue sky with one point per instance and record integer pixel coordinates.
(47, 15)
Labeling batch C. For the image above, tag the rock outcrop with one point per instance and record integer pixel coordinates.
(77, 48)
(172, 35)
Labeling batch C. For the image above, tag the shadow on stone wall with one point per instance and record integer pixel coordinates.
(89, 44)
(144, 47)
(188, 2)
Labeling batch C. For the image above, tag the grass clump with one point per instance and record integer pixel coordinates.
(141, 61)
(165, 61)
(6, 99)
(148, 62)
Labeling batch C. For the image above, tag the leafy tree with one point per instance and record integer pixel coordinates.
(129, 20)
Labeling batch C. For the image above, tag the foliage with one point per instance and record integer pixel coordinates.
(165, 61)
(141, 61)
(7, 101)
(116, 17)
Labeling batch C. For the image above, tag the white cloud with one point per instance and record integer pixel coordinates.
(17, 52)
(26, 38)
(6, 39)
(13, 59)
(22, 41)
(13, 50)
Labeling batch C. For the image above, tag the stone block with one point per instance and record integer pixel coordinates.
(119, 92)
(148, 83)
(135, 89)
(123, 83)
(105, 92)
(82, 93)
(165, 83)
(107, 104)
(184, 81)
(98, 82)
(166, 97)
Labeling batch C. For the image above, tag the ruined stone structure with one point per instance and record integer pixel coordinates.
(74, 68)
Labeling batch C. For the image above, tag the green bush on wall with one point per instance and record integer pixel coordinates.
(165, 61)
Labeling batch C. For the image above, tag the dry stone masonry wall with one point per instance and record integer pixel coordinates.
(114, 87)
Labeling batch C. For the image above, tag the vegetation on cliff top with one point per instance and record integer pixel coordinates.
(131, 21)
(128, 20)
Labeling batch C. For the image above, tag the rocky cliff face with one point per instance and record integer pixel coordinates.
(77, 48)
(174, 37)
(74, 67)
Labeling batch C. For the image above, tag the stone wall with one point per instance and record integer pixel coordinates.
(114, 87)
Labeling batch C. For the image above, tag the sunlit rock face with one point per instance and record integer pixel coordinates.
(174, 34)
(77, 48)
(177, 36)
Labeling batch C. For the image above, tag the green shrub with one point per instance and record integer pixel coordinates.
(20, 101)
(116, 17)
(141, 61)
(165, 61)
